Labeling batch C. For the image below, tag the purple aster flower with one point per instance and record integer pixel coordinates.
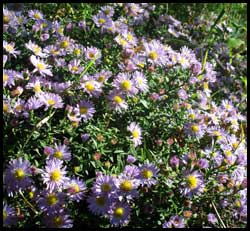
(35, 14)
(74, 66)
(193, 183)
(131, 171)
(140, 81)
(50, 202)
(66, 44)
(148, 172)
(98, 204)
(58, 219)
(130, 159)
(10, 48)
(92, 87)
(8, 78)
(50, 100)
(102, 76)
(35, 49)
(93, 53)
(174, 222)
(119, 214)
(86, 110)
(203, 163)
(104, 185)
(108, 10)
(54, 174)
(135, 130)
(101, 19)
(124, 83)
(117, 101)
(195, 129)
(52, 50)
(61, 152)
(9, 215)
(40, 66)
(16, 176)
(127, 186)
(186, 57)
(212, 218)
(155, 52)
(76, 189)
(85, 137)
(33, 103)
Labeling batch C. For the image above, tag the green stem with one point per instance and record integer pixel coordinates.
(28, 203)
(218, 215)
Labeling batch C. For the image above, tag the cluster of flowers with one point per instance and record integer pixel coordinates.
(112, 195)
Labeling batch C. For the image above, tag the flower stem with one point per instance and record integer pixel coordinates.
(28, 203)
(218, 215)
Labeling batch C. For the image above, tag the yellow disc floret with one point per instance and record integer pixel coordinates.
(58, 155)
(126, 186)
(153, 55)
(126, 85)
(106, 187)
(192, 182)
(19, 174)
(146, 173)
(119, 212)
(55, 175)
(52, 199)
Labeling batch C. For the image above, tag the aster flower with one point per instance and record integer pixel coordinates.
(130, 159)
(66, 44)
(92, 87)
(8, 78)
(182, 94)
(75, 189)
(86, 110)
(16, 176)
(155, 52)
(195, 129)
(50, 100)
(85, 137)
(127, 186)
(119, 214)
(104, 185)
(9, 215)
(140, 81)
(10, 48)
(131, 171)
(102, 76)
(35, 49)
(33, 103)
(148, 172)
(186, 57)
(74, 66)
(193, 184)
(35, 84)
(52, 50)
(135, 130)
(175, 222)
(54, 175)
(40, 66)
(50, 202)
(108, 10)
(98, 204)
(61, 152)
(117, 101)
(93, 53)
(35, 14)
(58, 219)
(101, 19)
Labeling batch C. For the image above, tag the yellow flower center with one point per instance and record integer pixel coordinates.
(37, 16)
(130, 37)
(83, 110)
(55, 175)
(135, 134)
(77, 51)
(123, 41)
(40, 66)
(5, 107)
(195, 128)
(52, 199)
(106, 187)
(141, 65)
(126, 186)
(31, 194)
(101, 20)
(205, 85)
(64, 44)
(4, 215)
(90, 86)
(228, 153)
(228, 106)
(192, 116)
(119, 212)
(101, 78)
(126, 85)
(6, 19)
(235, 145)
(75, 188)
(91, 55)
(60, 30)
(51, 102)
(75, 68)
(153, 55)
(5, 77)
(213, 154)
(37, 88)
(118, 99)
(216, 133)
(58, 155)
(182, 60)
(9, 48)
(37, 50)
(100, 201)
(238, 203)
(146, 173)
(19, 174)
(192, 182)
(19, 107)
(58, 221)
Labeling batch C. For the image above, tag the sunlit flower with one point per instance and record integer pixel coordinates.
(9, 215)
(50, 100)
(40, 66)
(35, 49)
(10, 48)
(119, 214)
(75, 189)
(148, 174)
(135, 130)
